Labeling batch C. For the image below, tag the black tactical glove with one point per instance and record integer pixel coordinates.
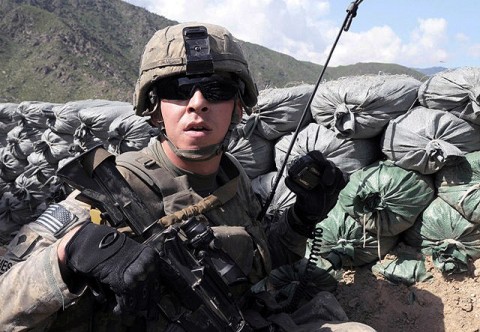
(128, 268)
(317, 183)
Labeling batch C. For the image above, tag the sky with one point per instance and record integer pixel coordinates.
(412, 33)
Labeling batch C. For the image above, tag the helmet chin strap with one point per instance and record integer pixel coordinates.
(207, 152)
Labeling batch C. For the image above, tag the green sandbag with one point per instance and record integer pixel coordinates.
(283, 281)
(459, 185)
(344, 238)
(444, 234)
(402, 270)
(386, 198)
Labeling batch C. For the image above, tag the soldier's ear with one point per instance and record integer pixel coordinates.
(156, 118)
(237, 111)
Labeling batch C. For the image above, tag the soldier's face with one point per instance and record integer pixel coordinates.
(196, 122)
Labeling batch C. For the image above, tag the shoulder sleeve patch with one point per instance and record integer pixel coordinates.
(56, 218)
(5, 265)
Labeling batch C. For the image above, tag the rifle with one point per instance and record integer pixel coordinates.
(194, 269)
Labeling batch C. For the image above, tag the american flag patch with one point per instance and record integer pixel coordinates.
(56, 218)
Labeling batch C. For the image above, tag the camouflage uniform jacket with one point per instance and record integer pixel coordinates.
(35, 295)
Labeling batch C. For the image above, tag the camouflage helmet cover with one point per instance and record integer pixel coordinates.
(165, 56)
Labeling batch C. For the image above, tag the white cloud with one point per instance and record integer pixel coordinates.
(289, 26)
(379, 44)
(427, 43)
(382, 44)
(305, 30)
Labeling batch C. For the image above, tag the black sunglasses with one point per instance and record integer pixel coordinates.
(214, 88)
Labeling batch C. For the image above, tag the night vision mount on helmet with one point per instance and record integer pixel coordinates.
(191, 49)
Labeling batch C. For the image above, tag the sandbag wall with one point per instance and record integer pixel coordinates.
(400, 141)
(38, 137)
(403, 144)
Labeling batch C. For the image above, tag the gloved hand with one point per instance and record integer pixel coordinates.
(317, 182)
(128, 268)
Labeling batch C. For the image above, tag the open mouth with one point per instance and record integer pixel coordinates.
(197, 128)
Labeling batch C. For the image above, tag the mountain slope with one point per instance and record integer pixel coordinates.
(62, 50)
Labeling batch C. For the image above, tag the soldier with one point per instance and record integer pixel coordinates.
(194, 84)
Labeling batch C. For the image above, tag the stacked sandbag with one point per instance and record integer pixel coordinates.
(456, 91)
(65, 119)
(385, 198)
(10, 165)
(341, 237)
(440, 137)
(54, 146)
(38, 184)
(21, 140)
(34, 114)
(348, 154)
(459, 186)
(8, 120)
(279, 111)
(444, 234)
(129, 132)
(21, 202)
(425, 140)
(95, 123)
(13, 214)
(255, 153)
(361, 106)
(25, 140)
(282, 198)
(45, 136)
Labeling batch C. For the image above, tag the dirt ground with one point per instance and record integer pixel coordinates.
(442, 303)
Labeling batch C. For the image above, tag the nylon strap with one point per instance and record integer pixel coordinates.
(216, 199)
(162, 182)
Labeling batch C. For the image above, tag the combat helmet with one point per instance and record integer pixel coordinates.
(182, 49)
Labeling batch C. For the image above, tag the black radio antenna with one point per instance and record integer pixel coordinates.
(351, 13)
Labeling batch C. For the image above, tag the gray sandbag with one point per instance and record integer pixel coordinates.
(35, 113)
(97, 119)
(8, 227)
(84, 139)
(283, 196)
(444, 234)
(129, 132)
(10, 166)
(254, 153)
(41, 167)
(5, 186)
(21, 140)
(361, 106)
(279, 110)
(341, 237)
(456, 91)
(65, 119)
(54, 146)
(28, 188)
(459, 185)
(426, 139)
(348, 154)
(386, 198)
(15, 212)
(8, 120)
